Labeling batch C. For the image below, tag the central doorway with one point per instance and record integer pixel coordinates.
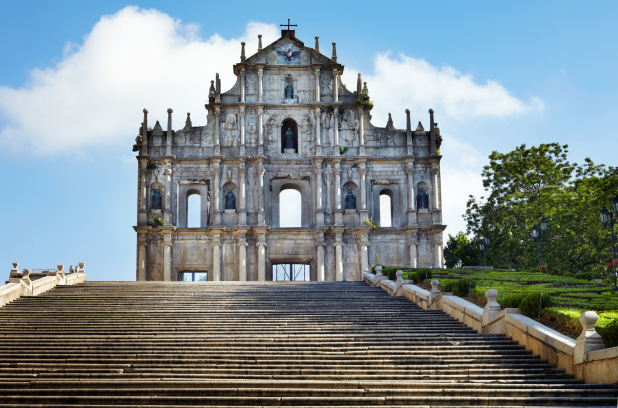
(289, 272)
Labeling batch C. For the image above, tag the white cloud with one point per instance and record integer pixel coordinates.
(131, 60)
(405, 82)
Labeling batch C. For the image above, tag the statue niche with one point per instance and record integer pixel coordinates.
(156, 199)
(350, 201)
(289, 136)
(230, 200)
(422, 199)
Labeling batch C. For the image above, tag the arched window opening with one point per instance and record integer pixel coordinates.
(386, 208)
(290, 208)
(289, 136)
(194, 209)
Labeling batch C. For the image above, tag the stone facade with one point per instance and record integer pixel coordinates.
(287, 123)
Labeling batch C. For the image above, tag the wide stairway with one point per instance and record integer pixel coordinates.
(262, 344)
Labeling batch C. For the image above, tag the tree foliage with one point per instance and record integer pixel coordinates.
(530, 183)
(460, 247)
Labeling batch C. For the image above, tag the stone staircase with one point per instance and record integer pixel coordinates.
(262, 344)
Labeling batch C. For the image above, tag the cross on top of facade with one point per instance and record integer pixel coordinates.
(288, 24)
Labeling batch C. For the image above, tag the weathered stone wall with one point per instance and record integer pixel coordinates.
(287, 122)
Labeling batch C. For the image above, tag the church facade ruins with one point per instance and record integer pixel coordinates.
(287, 123)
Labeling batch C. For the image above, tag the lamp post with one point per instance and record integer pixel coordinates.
(607, 219)
(537, 234)
(457, 263)
(483, 245)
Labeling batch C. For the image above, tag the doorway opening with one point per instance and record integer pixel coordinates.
(289, 272)
(192, 276)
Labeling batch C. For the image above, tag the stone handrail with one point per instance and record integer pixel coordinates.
(587, 358)
(20, 284)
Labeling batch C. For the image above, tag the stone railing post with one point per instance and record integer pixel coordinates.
(589, 340)
(435, 293)
(493, 307)
(398, 283)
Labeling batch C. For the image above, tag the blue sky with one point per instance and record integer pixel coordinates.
(72, 87)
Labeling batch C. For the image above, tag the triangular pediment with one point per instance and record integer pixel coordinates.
(288, 50)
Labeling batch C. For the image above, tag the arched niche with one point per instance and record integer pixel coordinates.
(291, 124)
(427, 188)
(156, 204)
(393, 192)
(185, 190)
(304, 188)
(229, 186)
(349, 186)
(386, 208)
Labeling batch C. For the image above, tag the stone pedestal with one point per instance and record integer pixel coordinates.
(289, 151)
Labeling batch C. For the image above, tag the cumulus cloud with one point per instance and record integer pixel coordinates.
(130, 60)
(404, 82)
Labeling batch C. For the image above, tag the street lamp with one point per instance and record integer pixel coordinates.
(457, 263)
(607, 219)
(483, 245)
(537, 234)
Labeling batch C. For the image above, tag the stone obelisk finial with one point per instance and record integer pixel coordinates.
(242, 52)
(334, 57)
(259, 42)
(317, 43)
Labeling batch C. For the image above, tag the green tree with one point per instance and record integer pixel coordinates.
(459, 246)
(528, 183)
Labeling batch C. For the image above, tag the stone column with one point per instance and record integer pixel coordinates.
(336, 129)
(242, 261)
(317, 85)
(242, 130)
(338, 210)
(329, 208)
(168, 140)
(167, 212)
(318, 138)
(216, 188)
(434, 181)
(339, 261)
(362, 172)
(437, 263)
(216, 260)
(361, 131)
(261, 252)
(145, 134)
(318, 193)
(217, 145)
(411, 196)
(364, 256)
(321, 273)
(260, 76)
(260, 131)
(141, 261)
(242, 85)
(167, 258)
(261, 171)
(335, 85)
(243, 193)
(142, 189)
(413, 254)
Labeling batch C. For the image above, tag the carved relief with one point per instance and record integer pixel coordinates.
(251, 130)
(325, 85)
(308, 124)
(230, 129)
(251, 84)
(304, 59)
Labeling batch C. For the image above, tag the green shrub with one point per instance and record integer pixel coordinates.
(584, 276)
(460, 287)
(609, 332)
(512, 300)
(530, 304)
(420, 275)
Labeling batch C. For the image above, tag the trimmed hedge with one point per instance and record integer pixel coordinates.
(460, 287)
(513, 300)
(530, 305)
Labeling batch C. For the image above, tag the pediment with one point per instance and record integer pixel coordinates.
(288, 51)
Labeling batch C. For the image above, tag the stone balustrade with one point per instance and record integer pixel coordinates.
(587, 358)
(21, 284)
